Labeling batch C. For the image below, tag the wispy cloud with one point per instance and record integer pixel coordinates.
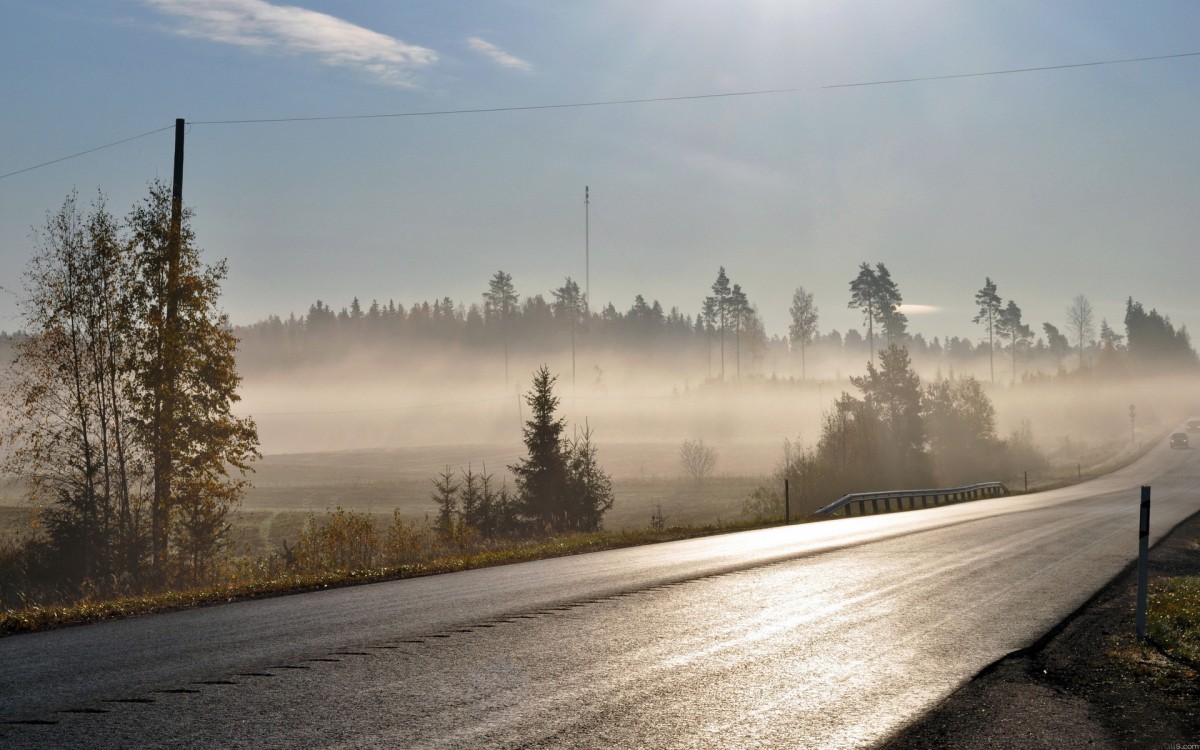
(497, 55)
(262, 25)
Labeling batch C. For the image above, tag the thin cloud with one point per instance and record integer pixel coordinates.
(919, 309)
(261, 25)
(497, 55)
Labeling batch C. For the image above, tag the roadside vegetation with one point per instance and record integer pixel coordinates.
(1158, 677)
(117, 408)
(899, 434)
(340, 548)
(1173, 618)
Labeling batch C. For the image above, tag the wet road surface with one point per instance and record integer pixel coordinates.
(833, 634)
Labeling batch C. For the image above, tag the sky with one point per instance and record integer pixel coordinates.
(1052, 183)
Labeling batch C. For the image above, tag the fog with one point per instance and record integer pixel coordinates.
(368, 401)
(641, 407)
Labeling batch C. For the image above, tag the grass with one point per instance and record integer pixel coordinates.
(258, 531)
(1173, 618)
(252, 586)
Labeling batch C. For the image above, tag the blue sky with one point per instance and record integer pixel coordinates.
(1052, 183)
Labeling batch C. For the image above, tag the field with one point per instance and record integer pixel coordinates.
(289, 487)
(647, 476)
(317, 439)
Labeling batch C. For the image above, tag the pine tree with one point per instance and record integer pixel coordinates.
(718, 305)
(739, 310)
(888, 300)
(571, 306)
(471, 499)
(1154, 342)
(1009, 325)
(989, 304)
(1057, 342)
(499, 307)
(864, 296)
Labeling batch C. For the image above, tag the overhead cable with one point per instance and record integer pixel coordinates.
(616, 102)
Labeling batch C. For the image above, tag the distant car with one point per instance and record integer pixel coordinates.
(1179, 440)
(1193, 425)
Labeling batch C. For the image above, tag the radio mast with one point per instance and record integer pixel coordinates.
(587, 251)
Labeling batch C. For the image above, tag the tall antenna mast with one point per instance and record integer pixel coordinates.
(587, 250)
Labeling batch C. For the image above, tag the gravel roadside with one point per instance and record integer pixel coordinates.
(1087, 683)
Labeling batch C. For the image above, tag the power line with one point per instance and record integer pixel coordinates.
(1011, 71)
(620, 102)
(84, 153)
(692, 97)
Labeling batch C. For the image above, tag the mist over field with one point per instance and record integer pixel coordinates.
(370, 425)
(385, 397)
(367, 421)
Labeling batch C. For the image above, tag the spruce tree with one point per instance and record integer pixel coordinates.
(541, 476)
(589, 487)
(445, 494)
(560, 485)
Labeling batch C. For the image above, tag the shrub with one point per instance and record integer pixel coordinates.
(698, 459)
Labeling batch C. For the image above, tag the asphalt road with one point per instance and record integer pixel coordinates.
(833, 634)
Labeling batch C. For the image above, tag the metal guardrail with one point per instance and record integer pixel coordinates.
(942, 496)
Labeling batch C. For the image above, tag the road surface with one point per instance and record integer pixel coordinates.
(833, 634)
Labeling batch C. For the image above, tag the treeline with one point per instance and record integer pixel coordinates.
(898, 434)
(726, 338)
(502, 321)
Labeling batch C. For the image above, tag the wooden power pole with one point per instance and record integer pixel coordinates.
(166, 386)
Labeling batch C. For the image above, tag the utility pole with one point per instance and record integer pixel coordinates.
(175, 248)
(165, 387)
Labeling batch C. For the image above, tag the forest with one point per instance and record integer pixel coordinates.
(726, 339)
